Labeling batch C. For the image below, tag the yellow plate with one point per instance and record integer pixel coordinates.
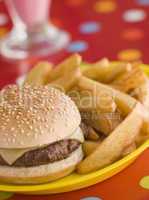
(76, 181)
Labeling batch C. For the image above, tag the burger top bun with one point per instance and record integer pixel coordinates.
(35, 116)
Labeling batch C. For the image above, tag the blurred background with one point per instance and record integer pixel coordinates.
(94, 28)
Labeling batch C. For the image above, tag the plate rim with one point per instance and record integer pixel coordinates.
(81, 178)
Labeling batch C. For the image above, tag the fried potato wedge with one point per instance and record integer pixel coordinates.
(141, 93)
(92, 100)
(89, 132)
(64, 67)
(144, 133)
(39, 74)
(112, 147)
(124, 102)
(129, 80)
(102, 122)
(67, 81)
(129, 149)
(105, 71)
(142, 137)
(138, 83)
(90, 146)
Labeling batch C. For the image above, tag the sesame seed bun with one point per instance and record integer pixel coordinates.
(43, 173)
(35, 116)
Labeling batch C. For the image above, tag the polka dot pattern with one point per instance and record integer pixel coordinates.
(133, 34)
(91, 198)
(98, 28)
(145, 182)
(134, 15)
(129, 55)
(77, 46)
(5, 195)
(143, 2)
(90, 27)
(105, 6)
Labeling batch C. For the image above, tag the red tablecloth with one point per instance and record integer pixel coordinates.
(105, 28)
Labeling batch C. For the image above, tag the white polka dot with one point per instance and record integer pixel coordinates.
(3, 19)
(91, 198)
(134, 15)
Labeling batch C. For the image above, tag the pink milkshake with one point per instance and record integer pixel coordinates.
(33, 34)
(30, 12)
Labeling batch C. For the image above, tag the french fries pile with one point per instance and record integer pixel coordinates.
(113, 99)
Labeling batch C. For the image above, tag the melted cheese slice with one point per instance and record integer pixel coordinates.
(11, 155)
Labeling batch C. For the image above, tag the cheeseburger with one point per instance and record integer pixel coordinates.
(40, 137)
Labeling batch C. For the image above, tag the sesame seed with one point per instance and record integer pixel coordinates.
(12, 129)
(31, 127)
(22, 131)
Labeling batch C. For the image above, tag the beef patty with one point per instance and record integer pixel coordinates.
(54, 152)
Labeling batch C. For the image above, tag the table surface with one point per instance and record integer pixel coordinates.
(107, 28)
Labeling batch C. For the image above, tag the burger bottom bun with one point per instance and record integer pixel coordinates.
(43, 173)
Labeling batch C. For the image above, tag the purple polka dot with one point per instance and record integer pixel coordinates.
(90, 27)
(143, 2)
(77, 46)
